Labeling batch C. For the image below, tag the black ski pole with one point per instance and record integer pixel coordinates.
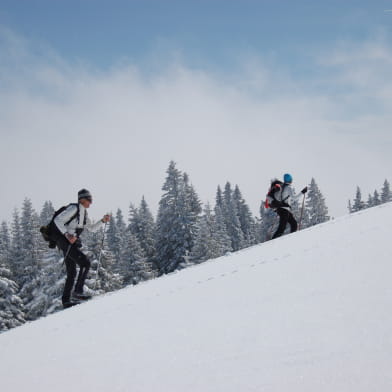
(100, 255)
(67, 253)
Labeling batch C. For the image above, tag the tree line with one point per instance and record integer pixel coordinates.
(382, 196)
(137, 247)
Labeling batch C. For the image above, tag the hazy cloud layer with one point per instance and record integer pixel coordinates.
(66, 126)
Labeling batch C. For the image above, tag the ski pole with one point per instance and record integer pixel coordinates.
(67, 253)
(100, 255)
(302, 212)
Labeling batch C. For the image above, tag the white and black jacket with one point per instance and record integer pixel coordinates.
(286, 195)
(81, 220)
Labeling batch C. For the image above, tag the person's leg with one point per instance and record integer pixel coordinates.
(71, 256)
(84, 264)
(292, 222)
(70, 280)
(283, 215)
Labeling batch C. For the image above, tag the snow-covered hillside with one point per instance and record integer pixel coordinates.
(307, 312)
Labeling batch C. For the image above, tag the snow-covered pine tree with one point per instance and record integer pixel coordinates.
(207, 243)
(5, 244)
(134, 265)
(349, 207)
(112, 237)
(33, 250)
(222, 236)
(370, 201)
(358, 204)
(11, 305)
(386, 194)
(268, 222)
(376, 198)
(143, 226)
(49, 285)
(247, 222)
(232, 221)
(119, 239)
(172, 238)
(193, 209)
(16, 251)
(108, 278)
(316, 206)
(47, 213)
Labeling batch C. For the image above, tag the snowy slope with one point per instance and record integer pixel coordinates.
(308, 312)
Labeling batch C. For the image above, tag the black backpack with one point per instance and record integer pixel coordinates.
(48, 230)
(270, 200)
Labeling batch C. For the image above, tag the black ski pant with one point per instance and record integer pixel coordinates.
(286, 217)
(73, 256)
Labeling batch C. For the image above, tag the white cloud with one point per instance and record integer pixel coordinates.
(68, 126)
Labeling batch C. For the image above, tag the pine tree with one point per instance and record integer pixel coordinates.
(247, 222)
(47, 213)
(207, 243)
(192, 208)
(119, 238)
(232, 221)
(219, 199)
(16, 252)
(33, 249)
(108, 278)
(174, 231)
(222, 236)
(386, 194)
(135, 267)
(370, 201)
(11, 305)
(350, 207)
(316, 206)
(143, 226)
(5, 244)
(268, 221)
(376, 198)
(48, 286)
(170, 244)
(358, 204)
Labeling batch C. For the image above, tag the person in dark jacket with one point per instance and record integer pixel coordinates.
(68, 226)
(284, 197)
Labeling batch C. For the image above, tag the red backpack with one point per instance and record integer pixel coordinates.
(270, 200)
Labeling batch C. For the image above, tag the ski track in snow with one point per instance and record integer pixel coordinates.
(306, 312)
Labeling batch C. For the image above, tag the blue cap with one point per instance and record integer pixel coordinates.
(288, 178)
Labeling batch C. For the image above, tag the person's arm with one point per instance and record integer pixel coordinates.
(95, 226)
(300, 194)
(64, 217)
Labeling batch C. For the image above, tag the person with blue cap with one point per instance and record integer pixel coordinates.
(284, 197)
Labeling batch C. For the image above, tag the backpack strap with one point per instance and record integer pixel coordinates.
(284, 186)
(76, 215)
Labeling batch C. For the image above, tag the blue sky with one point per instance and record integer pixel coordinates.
(231, 90)
(207, 32)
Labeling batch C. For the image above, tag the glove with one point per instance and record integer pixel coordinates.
(304, 190)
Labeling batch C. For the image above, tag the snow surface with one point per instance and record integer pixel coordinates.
(310, 311)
